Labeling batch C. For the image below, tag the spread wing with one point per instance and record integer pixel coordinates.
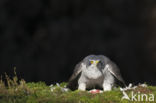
(73, 81)
(114, 70)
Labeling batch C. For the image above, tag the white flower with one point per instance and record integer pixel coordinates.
(143, 85)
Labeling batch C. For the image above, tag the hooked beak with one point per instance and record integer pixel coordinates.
(96, 62)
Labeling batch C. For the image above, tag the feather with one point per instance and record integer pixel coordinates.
(73, 81)
(113, 69)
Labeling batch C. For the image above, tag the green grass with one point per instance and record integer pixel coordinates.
(18, 91)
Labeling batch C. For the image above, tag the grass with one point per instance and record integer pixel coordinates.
(18, 91)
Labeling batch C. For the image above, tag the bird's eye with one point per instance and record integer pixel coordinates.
(91, 62)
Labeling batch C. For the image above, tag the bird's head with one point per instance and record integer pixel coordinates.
(93, 61)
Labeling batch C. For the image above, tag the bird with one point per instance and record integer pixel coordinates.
(95, 71)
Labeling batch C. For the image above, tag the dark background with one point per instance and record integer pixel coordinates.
(45, 39)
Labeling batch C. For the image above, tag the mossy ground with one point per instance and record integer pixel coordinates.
(18, 91)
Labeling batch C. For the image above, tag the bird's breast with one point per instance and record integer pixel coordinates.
(92, 73)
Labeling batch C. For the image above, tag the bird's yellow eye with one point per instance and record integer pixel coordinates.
(91, 62)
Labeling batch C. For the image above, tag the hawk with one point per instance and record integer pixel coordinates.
(95, 71)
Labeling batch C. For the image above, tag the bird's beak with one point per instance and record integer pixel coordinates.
(96, 62)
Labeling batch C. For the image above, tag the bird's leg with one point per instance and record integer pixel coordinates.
(82, 86)
(107, 86)
(108, 81)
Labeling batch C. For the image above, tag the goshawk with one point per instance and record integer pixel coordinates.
(95, 71)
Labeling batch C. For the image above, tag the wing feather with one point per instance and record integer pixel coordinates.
(73, 81)
(114, 70)
(76, 72)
